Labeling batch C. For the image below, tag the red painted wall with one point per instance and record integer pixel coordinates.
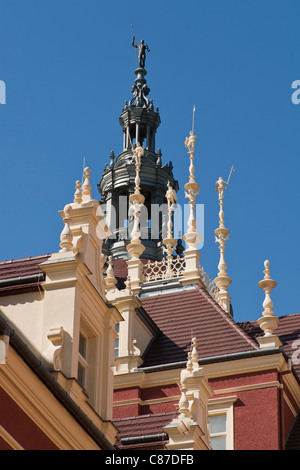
(19, 425)
(258, 412)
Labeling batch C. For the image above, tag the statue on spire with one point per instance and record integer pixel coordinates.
(142, 50)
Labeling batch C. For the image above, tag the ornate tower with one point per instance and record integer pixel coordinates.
(139, 122)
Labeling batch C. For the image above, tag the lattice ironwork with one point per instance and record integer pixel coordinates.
(158, 270)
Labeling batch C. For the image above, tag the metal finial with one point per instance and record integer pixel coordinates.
(194, 109)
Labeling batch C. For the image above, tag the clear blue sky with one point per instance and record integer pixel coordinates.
(68, 66)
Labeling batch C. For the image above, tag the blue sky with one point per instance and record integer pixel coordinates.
(68, 66)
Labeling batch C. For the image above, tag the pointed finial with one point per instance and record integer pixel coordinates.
(183, 406)
(267, 271)
(128, 284)
(222, 280)
(78, 194)
(268, 322)
(86, 187)
(66, 236)
(194, 354)
(192, 237)
(189, 364)
(110, 279)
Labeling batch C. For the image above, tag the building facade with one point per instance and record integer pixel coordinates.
(121, 341)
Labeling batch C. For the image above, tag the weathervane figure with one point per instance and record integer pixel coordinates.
(142, 50)
(220, 187)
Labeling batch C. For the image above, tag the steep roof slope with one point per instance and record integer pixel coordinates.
(189, 313)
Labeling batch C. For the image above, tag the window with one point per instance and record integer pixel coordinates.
(82, 361)
(116, 350)
(221, 423)
(217, 431)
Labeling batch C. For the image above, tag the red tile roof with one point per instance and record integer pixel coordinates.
(142, 431)
(191, 313)
(16, 274)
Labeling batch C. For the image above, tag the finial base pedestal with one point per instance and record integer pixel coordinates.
(191, 274)
(271, 341)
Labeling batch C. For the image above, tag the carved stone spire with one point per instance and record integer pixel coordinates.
(78, 193)
(66, 236)
(110, 279)
(268, 322)
(192, 237)
(222, 280)
(86, 187)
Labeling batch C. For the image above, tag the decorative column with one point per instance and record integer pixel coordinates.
(169, 242)
(222, 280)
(189, 431)
(268, 322)
(135, 248)
(191, 274)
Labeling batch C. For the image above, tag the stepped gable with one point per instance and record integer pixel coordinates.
(20, 274)
(143, 431)
(191, 313)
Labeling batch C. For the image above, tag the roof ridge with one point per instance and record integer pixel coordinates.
(289, 315)
(29, 258)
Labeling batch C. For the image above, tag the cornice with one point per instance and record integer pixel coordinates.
(146, 377)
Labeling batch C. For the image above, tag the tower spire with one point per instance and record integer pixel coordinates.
(139, 121)
(222, 280)
(192, 238)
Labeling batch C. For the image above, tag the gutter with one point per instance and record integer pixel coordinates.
(49, 380)
(13, 281)
(147, 438)
(214, 359)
